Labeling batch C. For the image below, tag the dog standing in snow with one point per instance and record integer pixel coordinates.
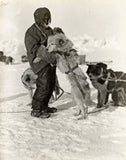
(28, 79)
(68, 62)
(107, 81)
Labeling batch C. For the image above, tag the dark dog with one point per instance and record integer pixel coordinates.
(24, 58)
(107, 81)
(5, 59)
(9, 60)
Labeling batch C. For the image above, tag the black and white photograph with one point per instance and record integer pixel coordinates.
(62, 79)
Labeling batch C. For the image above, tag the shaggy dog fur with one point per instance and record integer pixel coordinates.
(67, 62)
(107, 81)
(28, 79)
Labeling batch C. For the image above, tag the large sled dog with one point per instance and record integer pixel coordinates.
(68, 62)
(107, 81)
(28, 79)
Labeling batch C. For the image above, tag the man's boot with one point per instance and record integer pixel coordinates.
(51, 110)
(40, 114)
(37, 110)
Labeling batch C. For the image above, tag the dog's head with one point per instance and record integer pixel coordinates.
(59, 43)
(96, 71)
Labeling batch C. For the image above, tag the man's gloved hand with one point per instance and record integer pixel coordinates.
(43, 54)
(39, 55)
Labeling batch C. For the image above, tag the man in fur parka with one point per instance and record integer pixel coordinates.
(35, 41)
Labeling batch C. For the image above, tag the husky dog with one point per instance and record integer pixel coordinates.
(107, 81)
(68, 62)
(28, 79)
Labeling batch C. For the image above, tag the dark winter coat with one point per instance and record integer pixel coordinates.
(34, 38)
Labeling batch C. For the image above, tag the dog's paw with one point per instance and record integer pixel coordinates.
(82, 117)
(77, 113)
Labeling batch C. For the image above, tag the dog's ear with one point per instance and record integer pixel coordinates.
(111, 72)
(89, 64)
(57, 30)
(103, 65)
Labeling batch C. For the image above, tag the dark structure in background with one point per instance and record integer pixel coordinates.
(24, 58)
(6, 59)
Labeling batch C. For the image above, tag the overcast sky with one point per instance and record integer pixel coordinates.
(98, 18)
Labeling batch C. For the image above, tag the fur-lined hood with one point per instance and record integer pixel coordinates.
(40, 14)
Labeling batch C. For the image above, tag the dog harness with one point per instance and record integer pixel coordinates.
(66, 54)
(115, 80)
(71, 69)
(74, 76)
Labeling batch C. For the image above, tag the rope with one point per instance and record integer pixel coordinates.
(74, 76)
(101, 109)
(115, 78)
(17, 111)
(30, 110)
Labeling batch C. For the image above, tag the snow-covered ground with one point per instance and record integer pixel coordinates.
(61, 137)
